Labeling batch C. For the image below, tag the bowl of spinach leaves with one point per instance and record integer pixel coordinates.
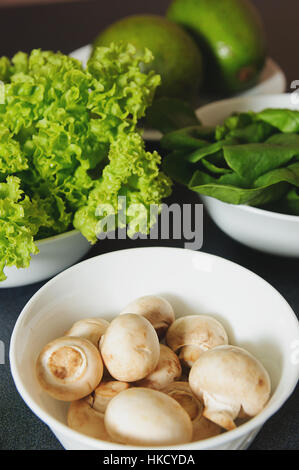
(242, 158)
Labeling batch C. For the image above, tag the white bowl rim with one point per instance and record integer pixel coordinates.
(59, 236)
(236, 99)
(251, 425)
(258, 211)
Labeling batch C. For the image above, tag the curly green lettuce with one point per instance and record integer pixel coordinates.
(20, 220)
(134, 173)
(69, 135)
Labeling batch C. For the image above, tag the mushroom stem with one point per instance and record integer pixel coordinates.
(219, 412)
(82, 417)
(202, 427)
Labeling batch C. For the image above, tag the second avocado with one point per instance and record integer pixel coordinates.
(231, 36)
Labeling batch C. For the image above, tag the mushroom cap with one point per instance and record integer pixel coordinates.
(82, 417)
(142, 416)
(228, 379)
(194, 334)
(105, 392)
(130, 348)
(89, 328)
(168, 369)
(189, 354)
(69, 368)
(202, 427)
(155, 309)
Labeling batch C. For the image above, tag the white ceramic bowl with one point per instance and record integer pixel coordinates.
(55, 254)
(254, 314)
(263, 230)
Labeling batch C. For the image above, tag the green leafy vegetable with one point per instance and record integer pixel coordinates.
(290, 202)
(286, 120)
(253, 158)
(225, 188)
(188, 137)
(68, 143)
(169, 114)
(131, 172)
(20, 220)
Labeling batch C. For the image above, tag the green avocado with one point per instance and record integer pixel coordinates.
(176, 56)
(231, 36)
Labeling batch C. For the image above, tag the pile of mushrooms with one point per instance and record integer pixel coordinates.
(149, 379)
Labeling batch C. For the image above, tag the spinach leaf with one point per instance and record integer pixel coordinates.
(209, 149)
(289, 204)
(286, 120)
(189, 137)
(255, 132)
(209, 186)
(284, 139)
(214, 164)
(253, 160)
(169, 114)
(289, 174)
(235, 121)
(176, 166)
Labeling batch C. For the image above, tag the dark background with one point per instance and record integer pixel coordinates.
(65, 27)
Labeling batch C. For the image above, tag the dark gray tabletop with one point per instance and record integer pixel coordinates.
(71, 25)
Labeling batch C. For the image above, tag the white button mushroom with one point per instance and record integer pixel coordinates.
(130, 348)
(229, 380)
(155, 309)
(105, 392)
(202, 427)
(69, 368)
(168, 369)
(190, 336)
(89, 328)
(84, 418)
(142, 416)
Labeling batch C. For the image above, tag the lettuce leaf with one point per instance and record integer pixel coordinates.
(132, 172)
(12, 158)
(68, 142)
(20, 220)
